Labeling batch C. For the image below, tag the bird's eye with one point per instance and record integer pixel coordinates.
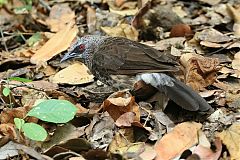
(82, 47)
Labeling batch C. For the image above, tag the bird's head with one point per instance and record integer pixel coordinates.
(83, 47)
(76, 50)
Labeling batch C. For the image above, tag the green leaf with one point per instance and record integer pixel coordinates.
(34, 131)
(56, 111)
(29, 2)
(6, 91)
(3, 2)
(33, 39)
(23, 9)
(19, 122)
(19, 79)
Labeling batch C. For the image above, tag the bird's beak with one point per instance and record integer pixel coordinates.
(70, 55)
(65, 57)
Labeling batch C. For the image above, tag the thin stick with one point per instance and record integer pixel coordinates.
(4, 43)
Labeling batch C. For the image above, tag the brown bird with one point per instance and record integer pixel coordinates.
(105, 56)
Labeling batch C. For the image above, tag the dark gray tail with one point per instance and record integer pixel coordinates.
(177, 91)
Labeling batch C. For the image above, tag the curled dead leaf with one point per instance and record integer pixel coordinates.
(119, 103)
(200, 71)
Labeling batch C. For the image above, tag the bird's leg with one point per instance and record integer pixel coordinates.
(103, 76)
(106, 79)
(116, 86)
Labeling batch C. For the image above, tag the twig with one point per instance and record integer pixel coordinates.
(93, 92)
(66, 153)
(4, 43)
(149, 114)
(225, 47)
(21, 85)
(45, 5)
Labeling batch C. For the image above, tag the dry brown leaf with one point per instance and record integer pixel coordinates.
(233, 98)
(127, 12)
(210, 2)
(182, 137)
(236, 61)
(236, 74)
(227, 45)
(212, 35)
(76, 73)
(149, 153)
(118, 3)
(119, 103)
(236, 29)
(137, 21)
(121, 139)
(211, 44)
(200, 71)
(8, 115)
(91, 19)
(144, 151)
(225, 70)
(142, 90)
(122, 30)
(231, 138)
(48, 71)
(175, 51)
(77, 158)
(125, 119)
(58, 43)
(167, 43)
(9, 130)
(60, 15)
(123, 8)
(179, 11)
(23, 52)
(62, 135)
(234, 13)
(207, 153)
(207, 93)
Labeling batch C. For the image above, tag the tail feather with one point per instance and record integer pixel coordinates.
(177, 91)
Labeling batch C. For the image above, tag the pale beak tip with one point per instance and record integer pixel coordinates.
(64, 58)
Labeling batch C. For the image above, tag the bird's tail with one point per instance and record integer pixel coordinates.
(177, 91)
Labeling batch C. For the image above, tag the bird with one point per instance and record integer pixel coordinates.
(106, 56)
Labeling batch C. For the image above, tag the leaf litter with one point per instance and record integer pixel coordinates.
(110, 124)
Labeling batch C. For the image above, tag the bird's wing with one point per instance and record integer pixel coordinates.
(123, 56)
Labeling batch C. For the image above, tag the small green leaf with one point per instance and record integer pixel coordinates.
(23, 9)
(19, 122)
(34, 131)
(19, 79)
(56, 111)
(33, 39)
(3, 2)
(6, 91)
(29, 2)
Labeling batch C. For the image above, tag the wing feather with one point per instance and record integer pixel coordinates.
(123, 56)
